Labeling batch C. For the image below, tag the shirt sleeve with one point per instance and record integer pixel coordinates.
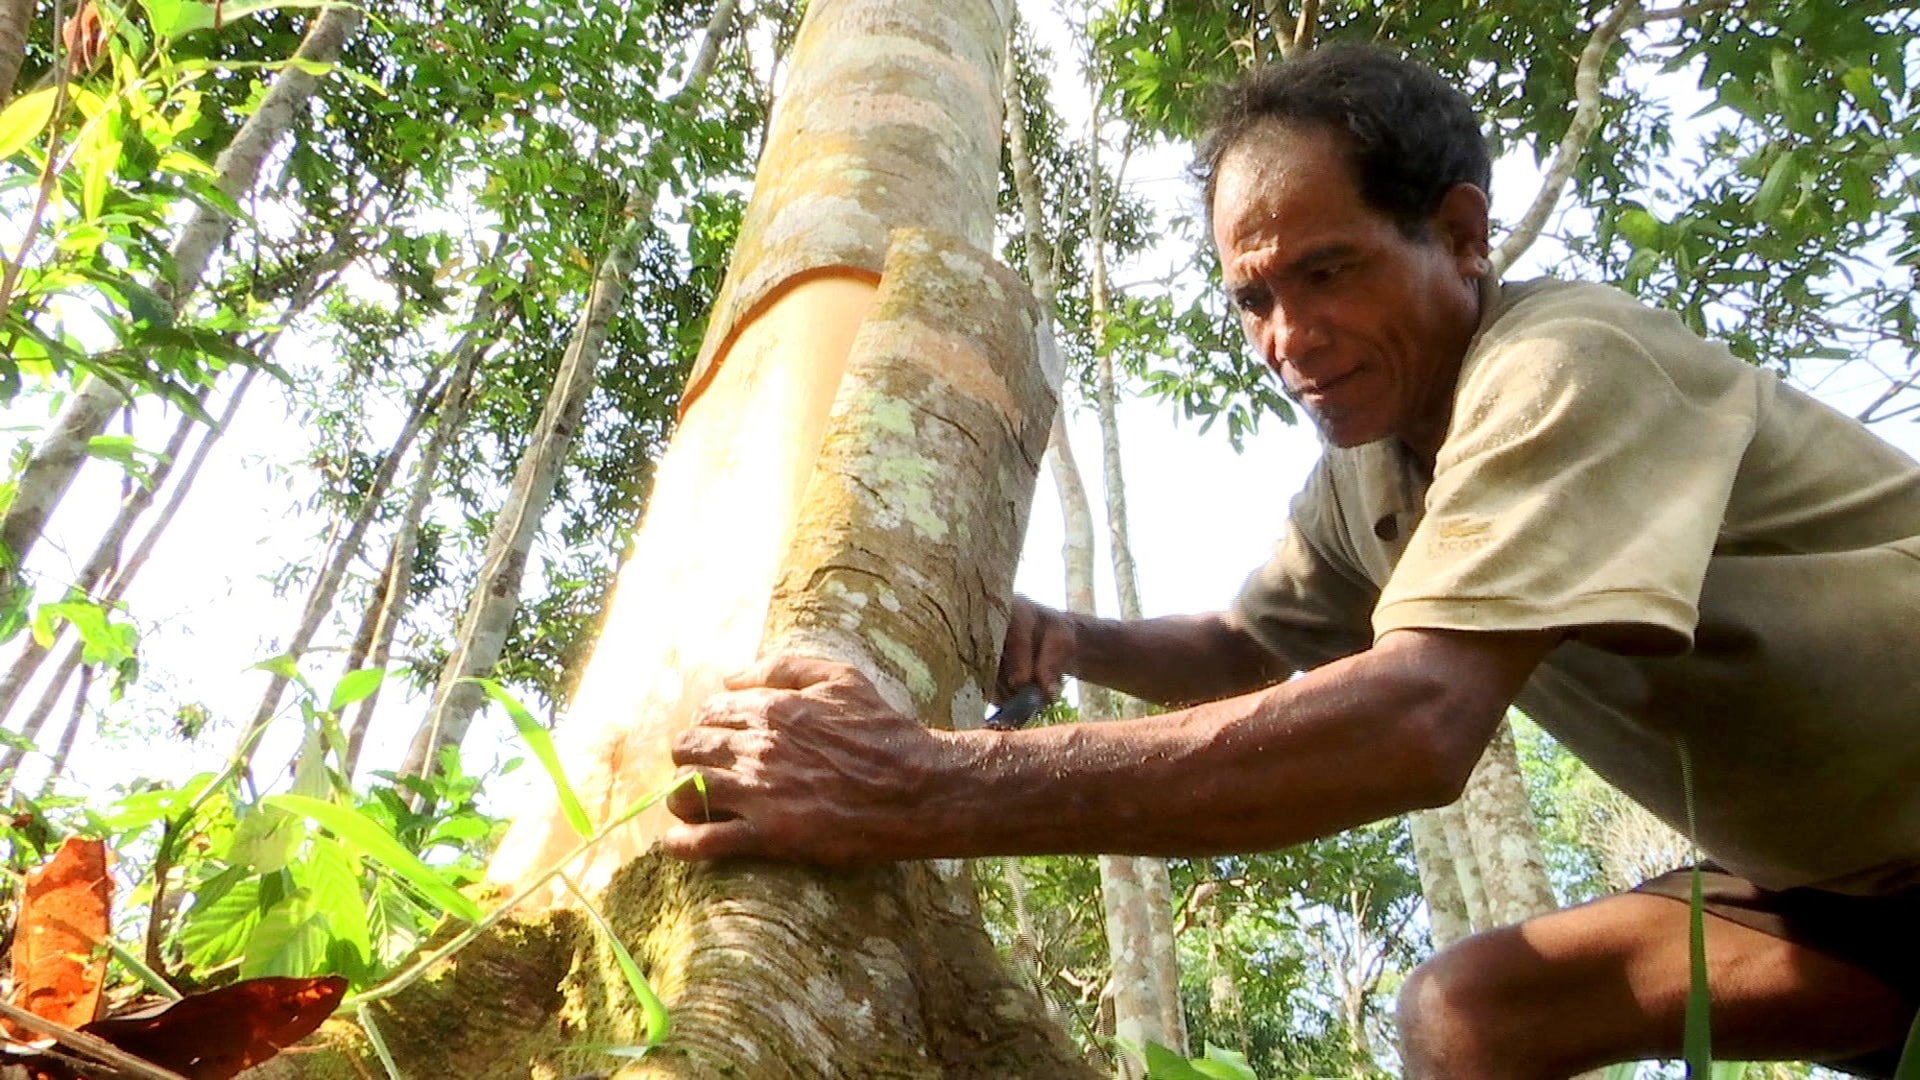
(1581, 487)
(1306, 604)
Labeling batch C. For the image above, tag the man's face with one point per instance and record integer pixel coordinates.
(1365, 327)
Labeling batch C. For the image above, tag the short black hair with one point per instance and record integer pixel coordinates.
(1410, 134)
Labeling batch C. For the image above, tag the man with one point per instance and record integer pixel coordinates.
(1693, 576)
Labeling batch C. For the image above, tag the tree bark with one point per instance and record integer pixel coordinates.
(1448, 919)
(1505, 841)
(496, 596)
(15, 17)
(1140, 911)
(45, 478)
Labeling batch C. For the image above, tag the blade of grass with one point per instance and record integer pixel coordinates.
(659, 1025)
(541, 744)
(362, 832)
(365, 1016)
(1909, 1067)
(1697, 1046)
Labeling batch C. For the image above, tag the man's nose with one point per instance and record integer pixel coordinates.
(1290, 339)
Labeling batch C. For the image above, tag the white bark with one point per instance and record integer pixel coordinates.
(30, 726)
(1566, 157)
(496, 596)
(106, 554)
(238, 166)
(49, 473)
(1473, 890)
(1148, 986)
(1506, 843)
(1448, 920)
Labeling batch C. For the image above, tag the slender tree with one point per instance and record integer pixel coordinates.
(496, 596)
(47, 475)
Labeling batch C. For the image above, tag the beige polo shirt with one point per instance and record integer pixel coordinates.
(1736, 565)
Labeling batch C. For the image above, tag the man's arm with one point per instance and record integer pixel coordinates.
(1172, 660)
(808, 764)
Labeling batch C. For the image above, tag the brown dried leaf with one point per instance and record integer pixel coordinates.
(215, 1035)
(59, 947)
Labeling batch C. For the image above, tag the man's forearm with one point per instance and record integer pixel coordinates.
(1392, 729)
(1175, 659)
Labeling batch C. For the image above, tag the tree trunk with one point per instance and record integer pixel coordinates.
(1505, 841)
(1448, 920)
(69, 735)
(374, 645)
(884, 534)
(327, 583)
(496, 596)
(30, 726)
(49, 473)
(15, 17)
(106, 554)
(1140, 917)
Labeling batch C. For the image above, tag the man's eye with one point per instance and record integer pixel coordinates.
(1251, 303)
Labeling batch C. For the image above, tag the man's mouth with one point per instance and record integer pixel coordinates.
(1320, 388)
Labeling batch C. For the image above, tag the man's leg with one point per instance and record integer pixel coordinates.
(1607, 981)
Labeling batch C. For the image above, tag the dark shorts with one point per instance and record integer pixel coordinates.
(1878, 934)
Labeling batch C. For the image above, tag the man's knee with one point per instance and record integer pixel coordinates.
(1453, 1019)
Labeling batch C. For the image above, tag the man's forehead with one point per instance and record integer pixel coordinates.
(1277, 153)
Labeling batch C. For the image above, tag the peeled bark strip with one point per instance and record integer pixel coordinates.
(890, 117)
(902, 561)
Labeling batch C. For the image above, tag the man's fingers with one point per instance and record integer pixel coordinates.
(719, 840)
(785, 672)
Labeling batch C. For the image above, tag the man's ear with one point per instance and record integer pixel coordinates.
(1459, 224)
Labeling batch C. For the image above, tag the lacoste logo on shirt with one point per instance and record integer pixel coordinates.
(1462, 532)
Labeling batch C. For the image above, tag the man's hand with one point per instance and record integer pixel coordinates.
(802, 760)
(1040, 649)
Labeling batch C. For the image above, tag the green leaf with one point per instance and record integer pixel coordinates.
(362, 833)
(355, 686)
(1226, 1064)
(659, 1024)
(22, 119)
(541, 744)
(1164, 1064)
(290, 940)
(1641, 228)
(266, 839)
(217, 927)
(1782, 177)
(334, 878)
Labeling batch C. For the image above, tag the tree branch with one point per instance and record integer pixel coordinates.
(1305, 27)
(1682, 12)
(1586, 118)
